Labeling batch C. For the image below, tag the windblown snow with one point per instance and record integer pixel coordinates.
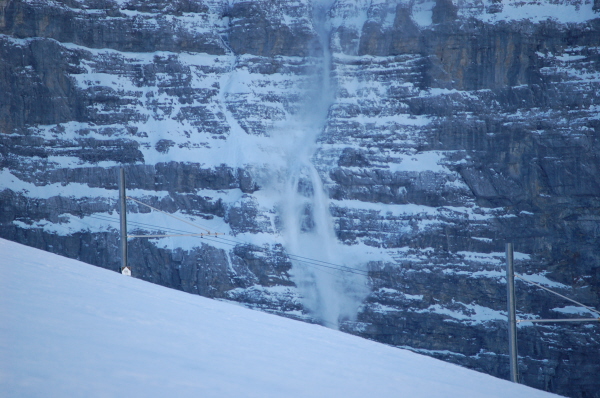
(72, 329)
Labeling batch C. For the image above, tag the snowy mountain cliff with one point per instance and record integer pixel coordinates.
(365, 161)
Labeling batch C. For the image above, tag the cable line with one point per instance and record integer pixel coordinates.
(222, 240)
(307, 261)
(298, 258)
(168, 214)
(164, 236)
(558, 294)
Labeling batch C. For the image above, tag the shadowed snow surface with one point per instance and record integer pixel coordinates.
(72, 329)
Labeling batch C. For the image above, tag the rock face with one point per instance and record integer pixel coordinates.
(452, 127)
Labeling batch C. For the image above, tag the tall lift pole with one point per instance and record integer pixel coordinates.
(512, 316)
(123, 213)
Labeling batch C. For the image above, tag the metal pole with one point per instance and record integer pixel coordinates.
(123, 214)
(512, 317)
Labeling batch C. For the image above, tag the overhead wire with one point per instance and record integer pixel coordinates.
(170, 215)
(298, 258)
(226, 240)
(558, 294)
(233, 242)
(304, 260)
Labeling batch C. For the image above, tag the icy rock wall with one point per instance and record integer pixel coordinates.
(454, 126)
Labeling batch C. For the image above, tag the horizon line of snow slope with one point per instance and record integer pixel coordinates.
(72, 329)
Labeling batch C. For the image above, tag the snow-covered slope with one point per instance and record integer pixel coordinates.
(71, 329)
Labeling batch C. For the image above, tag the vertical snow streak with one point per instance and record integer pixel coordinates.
(308, 228)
